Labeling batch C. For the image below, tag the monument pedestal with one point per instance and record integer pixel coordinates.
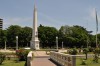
(35, 45)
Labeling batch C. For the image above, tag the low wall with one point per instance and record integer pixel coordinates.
(64, 59)
(29, 58)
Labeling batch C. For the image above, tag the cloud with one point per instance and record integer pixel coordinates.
(92, 13)
(16, 21)
(50, 19)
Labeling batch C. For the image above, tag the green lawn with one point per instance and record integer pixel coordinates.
(89, 62)
(12, 63)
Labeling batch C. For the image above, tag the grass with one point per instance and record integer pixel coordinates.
(8, 53)
(12, 62)
(89, 62)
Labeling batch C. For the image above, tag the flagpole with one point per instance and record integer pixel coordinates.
(96, 29)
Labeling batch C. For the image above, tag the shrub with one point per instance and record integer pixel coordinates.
(96, 52)
(2, 57)
(90, 49)
(83, 62)
(22, 54)
(73, 51)
(8, 58)
(96, 58)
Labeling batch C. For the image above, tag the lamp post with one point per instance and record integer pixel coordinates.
(57, 42)
(62, 44)
(16, 42)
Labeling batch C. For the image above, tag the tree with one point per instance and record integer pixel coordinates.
(25, 36)
(23, 33)
(80, 33)
(47, 36)
(65, 35)
(73, 36)
(12, 32)
(98, 40)
(3, 35)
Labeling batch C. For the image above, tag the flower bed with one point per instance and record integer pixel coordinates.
(22, 54)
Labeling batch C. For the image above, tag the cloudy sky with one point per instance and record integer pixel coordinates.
(51, 13)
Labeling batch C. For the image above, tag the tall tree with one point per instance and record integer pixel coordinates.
(73, 36)
(12, 32)
(25, 36)
(47, 36)
(3, 37)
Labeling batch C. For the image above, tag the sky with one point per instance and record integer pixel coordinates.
(54, 13)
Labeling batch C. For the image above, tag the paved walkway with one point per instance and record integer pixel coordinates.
(43, 62)
(41, 59)
(40, 53)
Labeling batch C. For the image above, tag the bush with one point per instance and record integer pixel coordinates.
(85, 50)
(96, 52)
(83, 62)
(8, 58)
(96, 58)
(73, 51)
(22, 54)
(90, 49)
(2, 57)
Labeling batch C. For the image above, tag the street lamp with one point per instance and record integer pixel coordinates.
(16, 42)
(57, 42)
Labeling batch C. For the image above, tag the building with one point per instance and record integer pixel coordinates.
(1, 23)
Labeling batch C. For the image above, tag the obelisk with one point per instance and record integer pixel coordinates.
(34, 40)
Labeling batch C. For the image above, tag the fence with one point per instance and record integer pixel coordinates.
(64, 59)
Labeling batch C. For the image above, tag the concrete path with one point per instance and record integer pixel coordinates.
(43, 62)
(40, 53)
(41, 59)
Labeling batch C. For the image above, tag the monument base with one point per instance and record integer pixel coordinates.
(35, 45)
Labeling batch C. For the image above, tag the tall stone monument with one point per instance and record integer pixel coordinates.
(34, 40)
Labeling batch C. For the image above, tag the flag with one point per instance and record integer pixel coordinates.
(96, 21)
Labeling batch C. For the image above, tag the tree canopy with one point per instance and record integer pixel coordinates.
(71, 36)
